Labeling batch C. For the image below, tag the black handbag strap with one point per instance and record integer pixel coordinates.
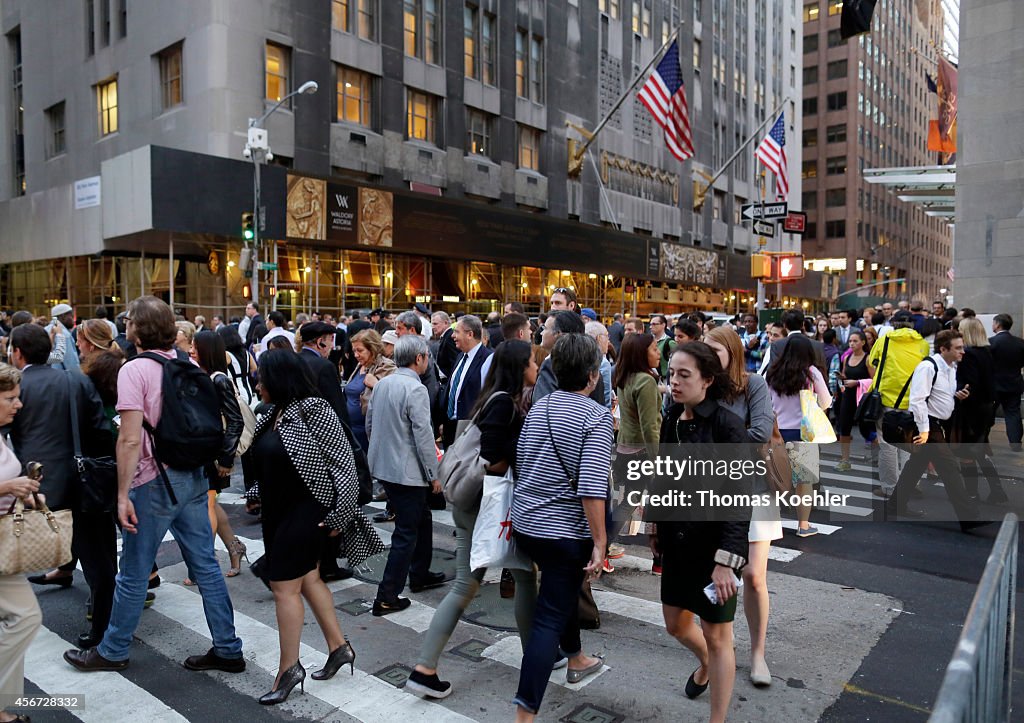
(881, 365)
(573, 481)
(73, 410)
(911, 378)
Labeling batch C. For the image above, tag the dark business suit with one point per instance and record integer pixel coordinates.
(468, 390)
(1008, 357)
(779, 346)
(250, 334)
(447, 353)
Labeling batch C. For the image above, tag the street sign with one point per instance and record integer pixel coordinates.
(267, 266)
(795, 222)
(764, 229)
(765, 210)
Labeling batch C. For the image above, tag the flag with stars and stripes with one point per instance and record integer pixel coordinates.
(665, 97)
(772, 153)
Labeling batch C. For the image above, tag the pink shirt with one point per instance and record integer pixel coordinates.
(10, 468)
(787, 408)
(140, 389)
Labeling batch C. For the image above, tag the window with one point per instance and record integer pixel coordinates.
(810, 12)
(835, 197)
(422, 35)
(421, 113)
(696, 55)
(837, 69)
(837, 101)
(90, 27)
(835, 7)
(642, 17)
(55, 125)
(811, 230)
(536, 69)
(811, 75)
(478, 132)
(810, 106)
(809, 200)
(835, 39)
(521, 42)
(479, 44)
(470, 33)
(489, 48)
(836, 166)
(836, 134)
(810, 137)
(105, 20)
(366, 11)
(354, 97)
(340, 15)
(810, 44)
(106, 99)
(529, 66)
(14, 43)
(610, 7)
(835, 229)
(792, 41)
(170, 77)
(278, 71)
(529, 148)
(809, 169)
(122, 27)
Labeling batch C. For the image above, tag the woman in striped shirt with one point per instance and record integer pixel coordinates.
(558, 512)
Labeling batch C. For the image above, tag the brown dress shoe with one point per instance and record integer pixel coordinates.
(89, 661)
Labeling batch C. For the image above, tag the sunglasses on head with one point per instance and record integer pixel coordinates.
(561, 290)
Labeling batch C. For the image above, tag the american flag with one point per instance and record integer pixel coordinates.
(951, 275)
(772, 153)
(665, 97)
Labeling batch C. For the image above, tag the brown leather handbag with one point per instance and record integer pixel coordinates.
(779, 471)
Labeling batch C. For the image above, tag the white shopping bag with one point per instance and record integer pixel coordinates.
(493, 544)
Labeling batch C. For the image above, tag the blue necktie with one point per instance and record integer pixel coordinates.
(453, 393)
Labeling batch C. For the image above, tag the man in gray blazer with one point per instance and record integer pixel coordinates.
(403, 458)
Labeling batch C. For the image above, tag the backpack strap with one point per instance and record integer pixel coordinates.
(911, 378)
(881, 365)
(150, 430)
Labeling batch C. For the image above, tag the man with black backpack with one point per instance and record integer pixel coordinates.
(170, 427)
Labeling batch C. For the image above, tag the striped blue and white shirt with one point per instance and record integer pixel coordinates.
(544, 503)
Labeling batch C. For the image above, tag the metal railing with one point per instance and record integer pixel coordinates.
(977, 682)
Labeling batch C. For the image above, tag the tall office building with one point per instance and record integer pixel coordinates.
(432, 164)
(866, 105)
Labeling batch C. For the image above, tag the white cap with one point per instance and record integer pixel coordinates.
(60, 310)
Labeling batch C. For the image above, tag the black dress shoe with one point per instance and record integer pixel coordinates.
(212, 661)
(384, 517)
(86, 641)
(62, 580)
(381, 608)
(90, 661)
(432, 580)
(692, 690)
(341, 573)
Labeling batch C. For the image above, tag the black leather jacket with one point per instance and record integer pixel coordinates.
(233, 423)
(711, 423)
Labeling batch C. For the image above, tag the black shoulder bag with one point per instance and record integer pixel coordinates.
(869, 411)
(97, 476)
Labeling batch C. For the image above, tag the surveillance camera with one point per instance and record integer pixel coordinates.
(247, 153)
(270, 156)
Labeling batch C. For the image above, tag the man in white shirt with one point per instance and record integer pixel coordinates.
(933, 394)
(275, 327)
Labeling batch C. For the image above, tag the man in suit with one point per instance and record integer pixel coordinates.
(464, 384)
(409, 322)
(447, 353)
(616, 332)
(1008, 355)
(252, 315)
(843, 329)
(357, 325)
(793, 321)
(399, 420)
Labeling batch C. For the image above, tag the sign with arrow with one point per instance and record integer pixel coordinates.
(764, 229)
(765, 210)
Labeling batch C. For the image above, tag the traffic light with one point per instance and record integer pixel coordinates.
(787, 267)
(760, 266)
(248, 230)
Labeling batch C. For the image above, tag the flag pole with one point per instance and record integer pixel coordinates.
(699, 200)
(578, 155)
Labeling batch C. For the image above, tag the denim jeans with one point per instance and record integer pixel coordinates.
(556, 619)
(467, 583)
(189, 522)
(412, 544)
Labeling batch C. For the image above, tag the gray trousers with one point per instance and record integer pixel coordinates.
(464, 589)
(20, 619)
(890, 460)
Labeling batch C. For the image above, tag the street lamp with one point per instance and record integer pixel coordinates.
(257, 149)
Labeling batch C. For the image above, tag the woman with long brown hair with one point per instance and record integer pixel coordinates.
(751, 402)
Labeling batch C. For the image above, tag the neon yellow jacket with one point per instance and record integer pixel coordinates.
(906, 350)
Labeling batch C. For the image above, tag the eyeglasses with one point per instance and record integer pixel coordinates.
(561, 290)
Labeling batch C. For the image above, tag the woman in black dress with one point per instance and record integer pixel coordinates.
(696, 554)
(307, 482)
(853, 367)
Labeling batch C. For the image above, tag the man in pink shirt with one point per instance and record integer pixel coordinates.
(147, 509)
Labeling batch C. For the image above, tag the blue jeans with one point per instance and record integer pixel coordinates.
(412, 544)
(556, 618)
(189, 522)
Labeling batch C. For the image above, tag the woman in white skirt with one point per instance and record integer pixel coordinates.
(753, 403)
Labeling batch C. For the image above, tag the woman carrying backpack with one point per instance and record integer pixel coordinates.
(208, 352)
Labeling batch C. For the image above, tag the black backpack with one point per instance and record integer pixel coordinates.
(190, 432)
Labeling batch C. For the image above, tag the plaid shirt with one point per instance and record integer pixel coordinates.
(753, 356)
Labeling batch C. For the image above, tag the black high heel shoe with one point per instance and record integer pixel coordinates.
(339, 657)
(295, 675)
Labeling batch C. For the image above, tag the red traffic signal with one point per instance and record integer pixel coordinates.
(787, 267)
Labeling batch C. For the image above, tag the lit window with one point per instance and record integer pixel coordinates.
(489, 48)
(478, 132)
(810, 12)
(536, 69)
(421, 19)
(809, 169)
(354, 97)
(470, 31)
(106, 97)
(340, 15)
(277, 71)
(421, 113)
(521, 42)
(170, 77)
(835, 7)
(529, 148)
(367, 26)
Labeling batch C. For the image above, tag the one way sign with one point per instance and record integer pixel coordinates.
(765, 210)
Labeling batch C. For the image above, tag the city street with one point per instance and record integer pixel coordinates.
(864, 619)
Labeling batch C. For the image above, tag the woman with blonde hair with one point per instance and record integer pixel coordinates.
(186, 333)
(750, 401)
(973, 416)
(371, 367)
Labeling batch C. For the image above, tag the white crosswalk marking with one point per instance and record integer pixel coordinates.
(107, 695)
(510, 652)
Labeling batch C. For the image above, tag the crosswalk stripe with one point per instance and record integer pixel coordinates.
(363, 696)
(646, 611)
(509, 651)
(107, 695)
(850, 510)
(848, 479)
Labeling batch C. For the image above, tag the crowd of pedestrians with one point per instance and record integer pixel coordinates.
(324, 415)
